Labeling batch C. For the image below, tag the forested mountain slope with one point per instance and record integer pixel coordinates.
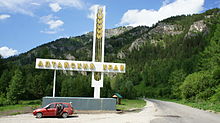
(178, 57)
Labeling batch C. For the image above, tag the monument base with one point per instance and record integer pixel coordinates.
(84, 103)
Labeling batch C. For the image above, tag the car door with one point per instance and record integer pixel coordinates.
(50, 110)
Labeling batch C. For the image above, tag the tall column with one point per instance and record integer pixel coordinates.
(98, 48)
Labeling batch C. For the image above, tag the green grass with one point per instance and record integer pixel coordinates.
(127, 104)
(204, 105)
(21, 107)
(15, 113)
(12, 107)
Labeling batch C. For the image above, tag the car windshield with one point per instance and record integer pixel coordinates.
(47, 106)
(50, 106)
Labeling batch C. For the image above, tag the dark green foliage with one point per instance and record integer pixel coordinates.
(210, 56)
(216, 96)
(4, 80)
(76, 86)
(198, 86)
(1, 64)
(125, 87)
(39, 85)
(106, 91)
(16, 87)
(176, 79)
(3, 99)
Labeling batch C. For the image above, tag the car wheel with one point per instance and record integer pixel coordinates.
(39, 115)
(65, 115)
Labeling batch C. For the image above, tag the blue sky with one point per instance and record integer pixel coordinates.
(25, 24)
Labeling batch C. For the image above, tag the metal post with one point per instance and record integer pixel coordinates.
(54, 83)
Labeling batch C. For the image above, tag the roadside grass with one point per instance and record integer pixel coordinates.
(204, 105)
(127, 104)
(21, 107)
(12, 107)
(15, 113)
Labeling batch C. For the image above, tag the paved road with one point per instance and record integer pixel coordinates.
(155, 112)
(168, 112)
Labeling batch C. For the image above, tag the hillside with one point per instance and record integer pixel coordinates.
(175, 58)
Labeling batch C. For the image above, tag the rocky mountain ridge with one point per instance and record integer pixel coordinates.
(120, 41)
(113, 32)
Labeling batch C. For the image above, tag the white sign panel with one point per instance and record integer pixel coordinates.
(80, 65)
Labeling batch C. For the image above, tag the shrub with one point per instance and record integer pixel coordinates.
(216, 96)
(198, 86)
(3, 100)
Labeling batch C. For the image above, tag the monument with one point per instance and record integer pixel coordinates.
(97, 66)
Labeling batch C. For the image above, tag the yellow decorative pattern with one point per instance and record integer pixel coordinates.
(40, 64)
(116, 67)
(122, 68)
(66, 65)
(47, 64)
(105, 67)
(109, 67)
(92, 66)
(73, 65)
(99, 31)
(54, 64)
(97, 67)
(85, 66)
(99, 24)
(100, 15)
(99, 21)
(79, 65)
(60, 65)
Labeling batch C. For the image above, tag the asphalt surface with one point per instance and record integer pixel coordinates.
(168, 112)
(155, 112)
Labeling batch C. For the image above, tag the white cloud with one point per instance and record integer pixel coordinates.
(92, 10)
(53, 22)
(27, 7)
(165, 2)
(36, 4)
(4, 16)
(6, 52)
(149, 17)
(49, 31)
(45, 19)
(55, 7)
(63, 36)
(16, 6)
(70, 3)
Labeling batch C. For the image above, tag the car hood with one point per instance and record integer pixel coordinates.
(39, 109)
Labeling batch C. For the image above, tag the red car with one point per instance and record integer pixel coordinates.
(54, 109)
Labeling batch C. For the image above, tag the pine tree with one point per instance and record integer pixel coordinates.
(16, 89)
(211, 55)
(1, 64)
(4, 81)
